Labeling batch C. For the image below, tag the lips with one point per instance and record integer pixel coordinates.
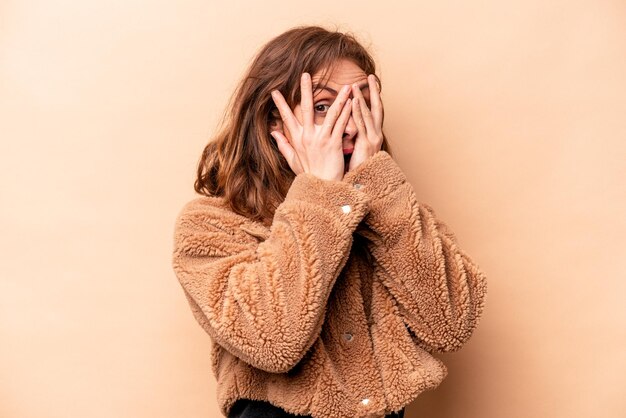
(347, 151)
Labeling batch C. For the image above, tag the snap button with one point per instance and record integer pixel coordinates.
(357, 185)
(365, 401)
(347, 336)
(345, 208)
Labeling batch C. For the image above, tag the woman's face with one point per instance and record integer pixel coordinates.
(346, 72)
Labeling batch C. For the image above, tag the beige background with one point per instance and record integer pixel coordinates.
(509, 118)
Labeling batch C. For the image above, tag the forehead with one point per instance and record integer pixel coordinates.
(344, 72)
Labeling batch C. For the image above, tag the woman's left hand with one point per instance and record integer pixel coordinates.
(369, 124)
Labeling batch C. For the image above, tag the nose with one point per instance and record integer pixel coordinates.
(349, 133)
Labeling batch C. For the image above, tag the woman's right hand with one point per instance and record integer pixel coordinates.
(315, 149)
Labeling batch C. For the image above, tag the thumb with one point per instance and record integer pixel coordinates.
(286, 149)
(283, 144)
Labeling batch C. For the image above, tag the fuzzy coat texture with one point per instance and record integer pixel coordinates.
(300, 317)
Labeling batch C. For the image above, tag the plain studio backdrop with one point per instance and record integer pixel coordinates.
(509, 118)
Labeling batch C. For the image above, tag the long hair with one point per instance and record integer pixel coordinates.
(242, 163)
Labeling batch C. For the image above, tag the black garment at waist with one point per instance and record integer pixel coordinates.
(247, 408)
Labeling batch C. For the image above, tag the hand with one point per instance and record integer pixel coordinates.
(315, 149)
(369, 139)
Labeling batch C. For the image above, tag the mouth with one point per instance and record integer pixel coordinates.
(346, 160)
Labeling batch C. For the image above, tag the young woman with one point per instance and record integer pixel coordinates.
(325, 285)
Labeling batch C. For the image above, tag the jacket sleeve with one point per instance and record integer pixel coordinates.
(439, 290)
(265, 302)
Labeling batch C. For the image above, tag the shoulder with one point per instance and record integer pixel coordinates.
(203, 203)
(207, 208)
(211, 218)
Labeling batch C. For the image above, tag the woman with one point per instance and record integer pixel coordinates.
(324, 284)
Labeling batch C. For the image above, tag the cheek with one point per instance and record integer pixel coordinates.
(318, 119)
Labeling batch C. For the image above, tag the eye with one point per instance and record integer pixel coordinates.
(319, 108)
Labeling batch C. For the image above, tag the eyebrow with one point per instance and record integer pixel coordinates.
(362, 86)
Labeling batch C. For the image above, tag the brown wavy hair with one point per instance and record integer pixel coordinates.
(242, 163)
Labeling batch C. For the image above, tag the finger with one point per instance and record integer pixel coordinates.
(284, 146)
(306, 100)
(375, 100)
(358, 118)
(365, 112)
(285, 112)
(342, 121)
(335, 110)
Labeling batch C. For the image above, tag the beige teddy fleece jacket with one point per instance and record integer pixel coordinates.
(303, 319)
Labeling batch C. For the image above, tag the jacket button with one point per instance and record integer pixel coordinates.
(347, 336)
(365, 401)
(345, 208)
(357, 185)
